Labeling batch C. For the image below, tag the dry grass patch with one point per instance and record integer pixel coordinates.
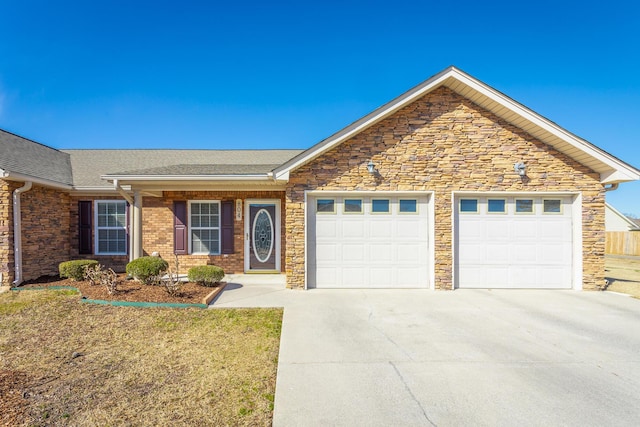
(623, 275)
(68, 363)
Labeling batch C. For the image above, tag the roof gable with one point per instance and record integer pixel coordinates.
(610, 168)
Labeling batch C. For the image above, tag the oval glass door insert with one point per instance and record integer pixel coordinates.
(262, 235)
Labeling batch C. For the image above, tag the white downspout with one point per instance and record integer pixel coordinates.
(17, 231)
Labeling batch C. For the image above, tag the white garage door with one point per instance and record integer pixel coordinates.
(514, 242)
(367, 242)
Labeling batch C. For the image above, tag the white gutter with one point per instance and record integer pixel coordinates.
(121, 191)
(612, 187)
(17, 231)
(14, 176)
(127, 178)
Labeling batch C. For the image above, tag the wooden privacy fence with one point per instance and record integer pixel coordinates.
(622, 243)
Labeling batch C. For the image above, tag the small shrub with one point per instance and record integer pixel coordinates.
(147, 269)
(74, 270)
(205, 275)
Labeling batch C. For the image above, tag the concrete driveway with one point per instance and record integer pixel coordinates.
(473, 357)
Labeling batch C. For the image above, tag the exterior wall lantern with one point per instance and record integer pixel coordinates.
(371, 167)
(520, 168)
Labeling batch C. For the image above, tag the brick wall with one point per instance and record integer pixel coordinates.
(157, 217)
(445, 143)
(116, 262)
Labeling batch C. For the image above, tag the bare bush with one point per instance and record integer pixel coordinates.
(110, 281)
(97, 275)
(93, 273)
(172, 283)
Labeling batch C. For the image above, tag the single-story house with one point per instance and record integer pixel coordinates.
(450, 185)
(616, 221)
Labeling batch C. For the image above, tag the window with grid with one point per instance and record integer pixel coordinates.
(111, 227)
(205, 228)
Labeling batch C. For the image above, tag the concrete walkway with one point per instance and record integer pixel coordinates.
(474, 357)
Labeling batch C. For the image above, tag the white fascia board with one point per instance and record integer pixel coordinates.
(625, 172)
(170, 178)
(16, 176)
(362, 124)
(614, 176)
(631, 224)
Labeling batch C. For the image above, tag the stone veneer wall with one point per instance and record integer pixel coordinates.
(45, 226)
(445, 143)
(157, 217)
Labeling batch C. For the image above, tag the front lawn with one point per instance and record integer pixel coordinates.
(67, 363)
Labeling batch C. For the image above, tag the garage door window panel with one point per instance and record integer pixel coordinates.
(352, 206)
(524, 206)
(408, 206)
(469, 205)
(497, 206)
(326, 206)
(552, 206)
(380, 206)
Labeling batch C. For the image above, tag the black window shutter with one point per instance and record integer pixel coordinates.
(180, 228)
(85, 227)
(227, 227)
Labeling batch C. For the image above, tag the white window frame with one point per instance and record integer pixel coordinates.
(190, 228)
(97, 228)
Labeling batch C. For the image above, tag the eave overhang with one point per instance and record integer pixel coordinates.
(611, 169)
(16, 176)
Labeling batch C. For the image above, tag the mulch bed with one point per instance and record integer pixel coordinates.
(128, 290)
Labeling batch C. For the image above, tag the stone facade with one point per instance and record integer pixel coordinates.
(445, 143)
(45, 227)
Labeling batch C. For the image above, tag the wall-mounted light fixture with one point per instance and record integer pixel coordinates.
(520, 168)
(371, 167)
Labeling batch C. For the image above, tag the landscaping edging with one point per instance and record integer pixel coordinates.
(205, 301)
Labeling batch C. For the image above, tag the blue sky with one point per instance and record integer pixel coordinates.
(126, 74)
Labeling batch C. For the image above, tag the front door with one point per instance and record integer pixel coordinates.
(262, 236)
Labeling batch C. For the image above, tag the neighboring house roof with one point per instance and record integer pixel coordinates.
(90, 165)
(616, 221)
(611, 169)
(25, 160)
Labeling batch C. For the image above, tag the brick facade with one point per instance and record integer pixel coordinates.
(445, 143)
(157, 218)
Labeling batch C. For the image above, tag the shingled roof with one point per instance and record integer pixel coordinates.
(89, 165)
(23, 158)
